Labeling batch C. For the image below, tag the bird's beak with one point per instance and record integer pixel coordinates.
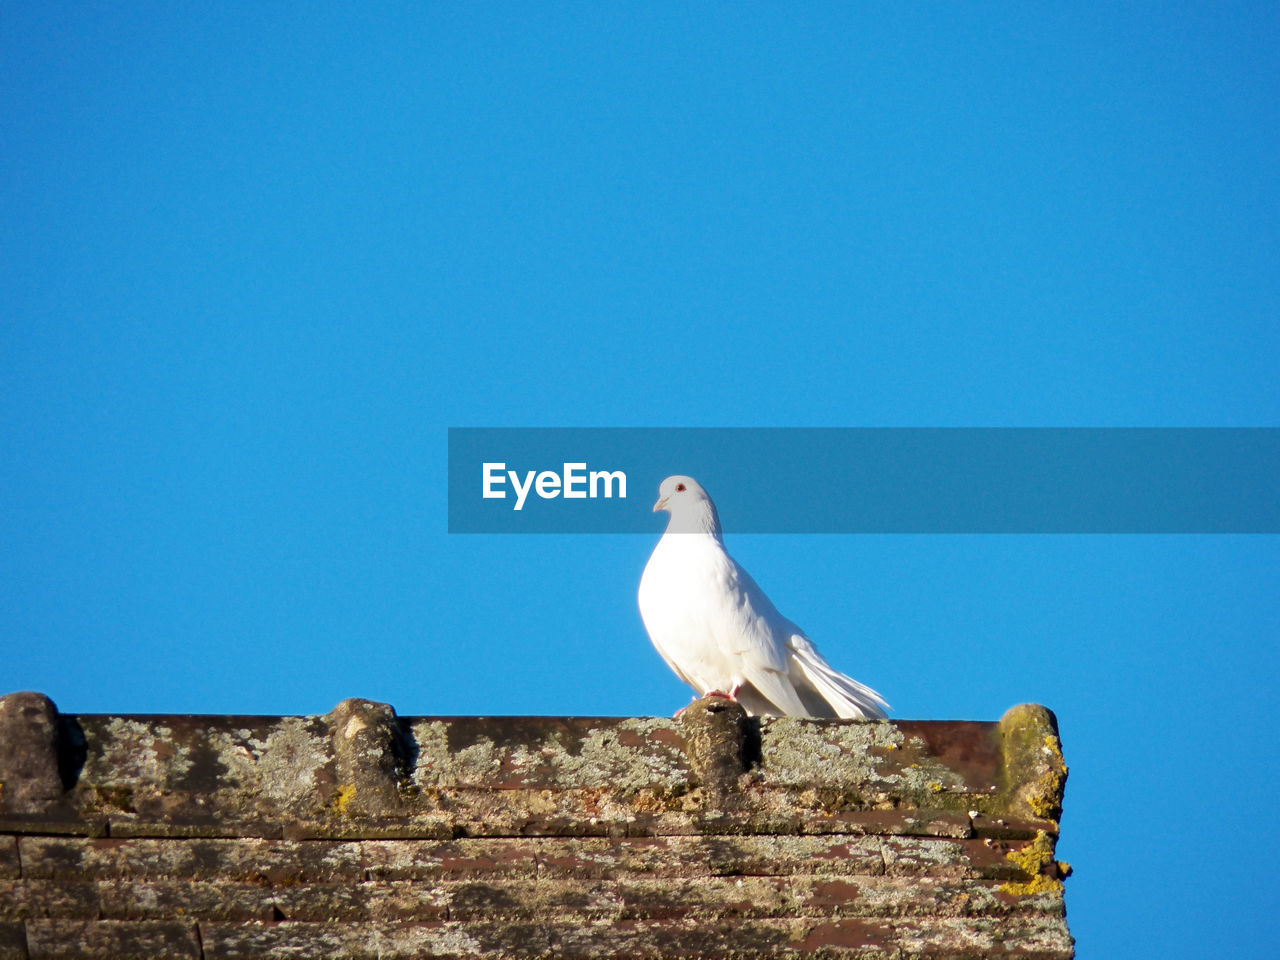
(660, 505)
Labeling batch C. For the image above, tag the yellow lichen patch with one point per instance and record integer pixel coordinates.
(1040, 883)
(1034, 770)
(346, 793)
(1046, 799)
(1035, 855)
(1033, 859)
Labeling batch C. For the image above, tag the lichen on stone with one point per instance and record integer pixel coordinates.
(851, 765)
(1035, 773)
(602, 760)
(440, 766)
(791, 753)
(343, 798)
(281, 767)
(1036, 860)
(139, 754)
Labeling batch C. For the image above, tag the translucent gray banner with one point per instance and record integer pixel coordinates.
(868, 480)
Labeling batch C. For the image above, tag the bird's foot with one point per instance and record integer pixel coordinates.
(732, 695)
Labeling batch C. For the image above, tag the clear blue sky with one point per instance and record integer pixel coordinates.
(257, 259)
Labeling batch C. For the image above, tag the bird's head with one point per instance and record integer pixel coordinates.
(691, 509)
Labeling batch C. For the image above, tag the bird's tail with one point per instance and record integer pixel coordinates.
(850, 699)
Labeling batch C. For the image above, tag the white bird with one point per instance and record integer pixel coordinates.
(719, 632)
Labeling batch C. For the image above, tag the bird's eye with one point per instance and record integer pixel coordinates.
(679, 488)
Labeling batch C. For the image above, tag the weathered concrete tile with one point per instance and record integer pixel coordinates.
(728, 937)
(9, 863)
(59, 822)
(240, 768)
(29, 899)
(517, 898)
(569, 811)
(889, 823)
(532, 753)
(207, 827)
(438, 827)
(596, 858)
(267, 861)
(369, 901)
(527, 899)
(127, 899)
(710, 856)
(936, 857)
(1027, 937)
(274, 861)
(747, 896)
(903, 765)
(894, 897)
(231, 901)
(842, 937)
(640, 899)
(771, 856)
(374, 941)
(562, 899)
(859, 937)
(13, 940)
(1011, 828)
(417, 859)
(55, 823)
(110, 940)
(707, 898)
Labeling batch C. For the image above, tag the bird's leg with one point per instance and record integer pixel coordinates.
(732, 695)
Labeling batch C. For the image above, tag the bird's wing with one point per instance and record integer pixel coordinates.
(847, 697)
(792, 686)
(762, 641)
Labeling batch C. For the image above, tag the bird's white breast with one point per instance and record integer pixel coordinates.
(695, 611)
